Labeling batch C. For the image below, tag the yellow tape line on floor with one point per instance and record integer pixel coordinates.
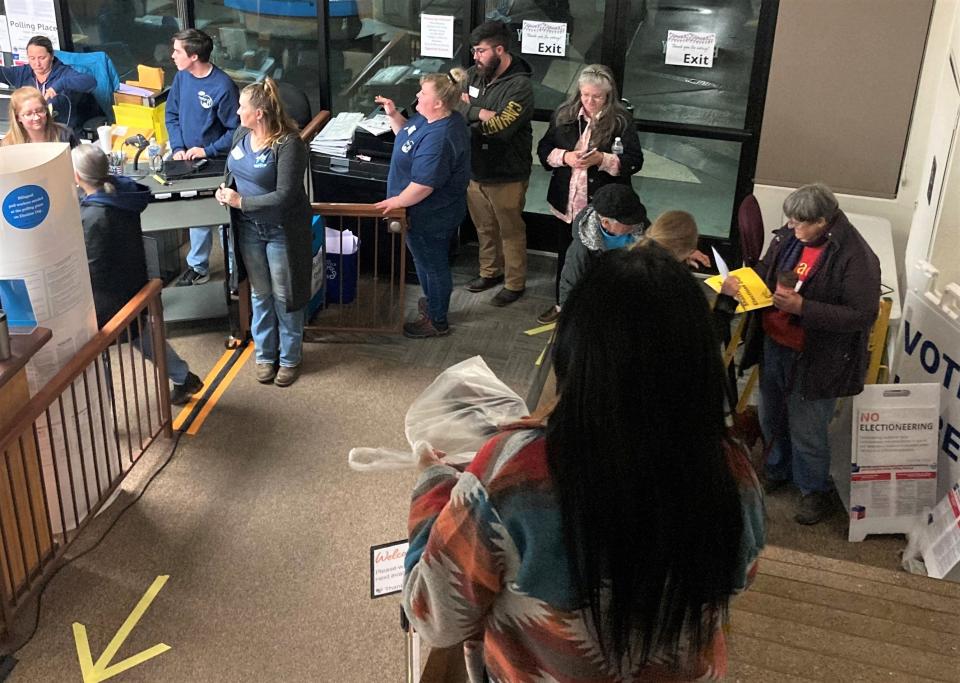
(212, 400)
(541, 329)
(188, 408)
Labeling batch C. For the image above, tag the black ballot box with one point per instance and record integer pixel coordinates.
(345, 179)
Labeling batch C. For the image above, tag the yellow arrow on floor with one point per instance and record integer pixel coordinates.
(102, 670)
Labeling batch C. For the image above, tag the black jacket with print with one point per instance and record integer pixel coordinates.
(501, 146)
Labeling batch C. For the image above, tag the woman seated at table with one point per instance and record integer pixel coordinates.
(605, 544)
(110, 208)
(270, 218)
(30, 121)
(60, 85)
(429, 174)
(578, 149)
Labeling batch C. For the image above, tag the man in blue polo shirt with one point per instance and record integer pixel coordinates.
(201, 116)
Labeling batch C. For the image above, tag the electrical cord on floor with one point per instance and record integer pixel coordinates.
(66, 561)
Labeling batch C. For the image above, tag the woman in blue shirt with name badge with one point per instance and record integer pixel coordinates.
(429, 174)
(270, 219)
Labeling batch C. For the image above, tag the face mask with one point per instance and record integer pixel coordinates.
(612, 242)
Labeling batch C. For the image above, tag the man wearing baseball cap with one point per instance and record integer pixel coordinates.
(615, 219)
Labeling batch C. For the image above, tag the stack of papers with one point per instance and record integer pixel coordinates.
(378, 125)
(337, 135)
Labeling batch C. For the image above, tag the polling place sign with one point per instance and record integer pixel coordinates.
(386, 568)
(690, 48)
(928, 350)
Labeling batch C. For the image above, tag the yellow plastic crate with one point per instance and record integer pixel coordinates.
(139, 116)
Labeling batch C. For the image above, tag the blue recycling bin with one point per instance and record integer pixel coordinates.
(341, 266)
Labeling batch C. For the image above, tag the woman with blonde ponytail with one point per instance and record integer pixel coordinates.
(110, 208)
(270, 221)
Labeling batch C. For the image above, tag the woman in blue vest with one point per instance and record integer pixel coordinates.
(429, 174)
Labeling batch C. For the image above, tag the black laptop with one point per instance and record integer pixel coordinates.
(193, 168)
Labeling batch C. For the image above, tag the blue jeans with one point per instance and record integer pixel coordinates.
(796, 427)
(263, 248)
(201, 242)
(430, 247)
(177, 368)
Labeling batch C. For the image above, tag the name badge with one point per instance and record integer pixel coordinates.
(474, 91)
(237, 153)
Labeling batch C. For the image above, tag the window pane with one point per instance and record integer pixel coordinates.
(690, 174)
(375, 50)
(131, 33)
(257, 38)
(555, 77)
(715, 96)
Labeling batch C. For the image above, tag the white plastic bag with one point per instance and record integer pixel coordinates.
(456, 414)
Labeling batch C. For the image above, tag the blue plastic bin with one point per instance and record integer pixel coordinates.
(341, 267)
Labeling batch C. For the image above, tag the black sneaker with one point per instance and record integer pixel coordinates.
(423, 328)
(813, 507)
(482, 284)
(192, 277)
(505, 296)
(182, 392)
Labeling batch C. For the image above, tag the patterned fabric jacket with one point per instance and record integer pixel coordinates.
(483, 563)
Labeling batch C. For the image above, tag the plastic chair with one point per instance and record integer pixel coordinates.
(750, 224)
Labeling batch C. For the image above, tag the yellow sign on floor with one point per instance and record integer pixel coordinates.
(102, 669)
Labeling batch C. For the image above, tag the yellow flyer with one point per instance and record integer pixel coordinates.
(753, 292)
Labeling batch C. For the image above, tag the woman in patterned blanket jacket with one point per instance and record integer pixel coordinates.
(604, 543)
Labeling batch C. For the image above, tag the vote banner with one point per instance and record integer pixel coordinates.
(928, 350)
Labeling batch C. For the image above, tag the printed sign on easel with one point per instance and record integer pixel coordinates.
(894, 457)
(386, 568)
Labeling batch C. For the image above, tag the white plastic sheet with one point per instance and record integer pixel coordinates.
(456, 414)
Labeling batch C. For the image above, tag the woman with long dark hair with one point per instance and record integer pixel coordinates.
(270, 218)
(604, 545)
(578, 150)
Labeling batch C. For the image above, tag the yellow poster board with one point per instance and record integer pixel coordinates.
(753, 292)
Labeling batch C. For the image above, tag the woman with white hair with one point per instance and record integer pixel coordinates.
(578, 148)
(812, 345)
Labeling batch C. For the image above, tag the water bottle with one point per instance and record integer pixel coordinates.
(154, 155)
(617, 147)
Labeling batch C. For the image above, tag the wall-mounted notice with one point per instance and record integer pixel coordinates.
(436, 35)
(688, 48)
(386, 568)
(544, 38)
(28, 18)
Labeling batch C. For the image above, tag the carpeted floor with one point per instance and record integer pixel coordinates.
(265, 532)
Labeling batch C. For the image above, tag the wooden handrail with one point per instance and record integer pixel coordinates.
(317, 123)
(358, 211)
(23, 421)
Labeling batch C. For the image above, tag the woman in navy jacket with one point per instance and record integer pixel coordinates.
(60, 85)
(578, 147)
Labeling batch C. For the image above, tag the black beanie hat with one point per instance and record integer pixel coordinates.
(621, 203)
